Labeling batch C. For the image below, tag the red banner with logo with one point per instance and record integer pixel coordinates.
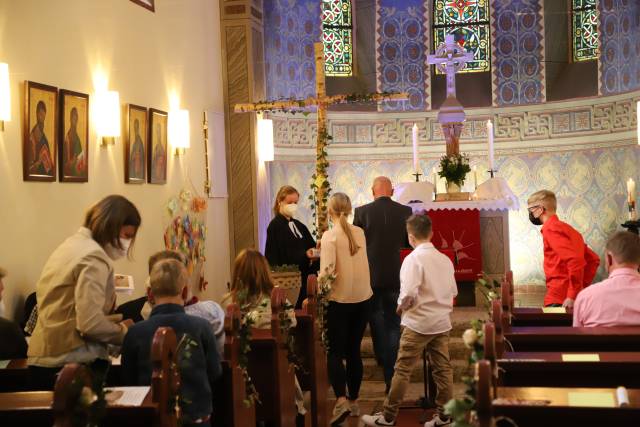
(456, 233)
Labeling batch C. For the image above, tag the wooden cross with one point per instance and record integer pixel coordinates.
(321, 101)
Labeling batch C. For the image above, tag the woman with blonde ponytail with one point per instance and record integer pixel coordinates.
(344, 253)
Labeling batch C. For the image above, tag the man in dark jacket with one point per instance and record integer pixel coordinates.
(199, 365)
(384, 224)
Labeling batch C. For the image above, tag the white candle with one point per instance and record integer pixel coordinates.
(638, 121)
(631, 190)
(415, 147)
(490, 139)
(435, 178)
(475, 176)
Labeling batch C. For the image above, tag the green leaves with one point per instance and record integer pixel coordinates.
(454, 168)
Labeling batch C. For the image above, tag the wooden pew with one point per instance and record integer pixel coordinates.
(529, 316)
(42, 408)
(230, 391)
(313, 376)
(271, 372)
(566, 338)
(547, 406)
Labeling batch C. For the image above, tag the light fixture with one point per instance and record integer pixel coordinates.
(108, 116)
(5, 95)
(265, 140)
(179, 130)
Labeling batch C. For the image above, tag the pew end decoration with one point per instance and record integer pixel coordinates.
(246, 324)
(165, 376)
(281, 307)
(79, 397)
(326, 280)
(489, 289)
(289, 278)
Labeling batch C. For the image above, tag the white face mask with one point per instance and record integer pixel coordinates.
(117, 253)
(289, 210)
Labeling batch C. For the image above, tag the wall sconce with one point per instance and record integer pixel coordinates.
(5, 95)
(265, 140)
(179, 130)
(108, 116)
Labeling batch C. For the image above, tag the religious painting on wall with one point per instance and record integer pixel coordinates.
(157, 152)
(73, 152)
(147, 4)
(39, 145)
(135, 159)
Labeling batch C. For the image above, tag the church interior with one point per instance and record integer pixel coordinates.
(387, 212)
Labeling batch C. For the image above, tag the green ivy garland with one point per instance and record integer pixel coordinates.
(325, 282)
(247, 322)
(319, 180)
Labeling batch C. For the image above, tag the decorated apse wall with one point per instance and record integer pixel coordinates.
(291, 27)
(584, 151)
(403, 39)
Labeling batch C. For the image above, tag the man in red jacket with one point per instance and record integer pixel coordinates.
(569, 264)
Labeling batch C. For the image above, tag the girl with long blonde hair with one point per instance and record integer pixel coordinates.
(344, 253)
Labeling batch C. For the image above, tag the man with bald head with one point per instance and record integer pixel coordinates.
(384, 225)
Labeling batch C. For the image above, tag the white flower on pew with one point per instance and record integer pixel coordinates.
(470, 337)
(87, 396)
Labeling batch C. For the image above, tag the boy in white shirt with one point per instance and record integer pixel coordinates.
(427, 289)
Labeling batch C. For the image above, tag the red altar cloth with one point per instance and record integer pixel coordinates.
(456, 233)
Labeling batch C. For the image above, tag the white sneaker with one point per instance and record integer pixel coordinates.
(436, 421)
(340, 413)
(376, 420)
(355, 409)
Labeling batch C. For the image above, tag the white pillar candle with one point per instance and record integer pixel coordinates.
(414, 133)
(631, 190)
(490, 140)
(435, 177)
(475, 176)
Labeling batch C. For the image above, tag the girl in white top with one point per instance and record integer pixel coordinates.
(344, 254)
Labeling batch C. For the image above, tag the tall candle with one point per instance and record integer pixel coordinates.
(435, 178)
(638, 121)
(475, 176)
(490, 139)
(415, 147)
(631, 190)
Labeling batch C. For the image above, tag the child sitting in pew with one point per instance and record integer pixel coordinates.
(616, 300)
(251, 287)
(169, 291)
(427, 289)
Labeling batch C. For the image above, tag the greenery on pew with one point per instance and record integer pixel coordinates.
(90, 403)
(184, 350)
(285, 329)
(324, 290)
(489, 289)
(244, 337)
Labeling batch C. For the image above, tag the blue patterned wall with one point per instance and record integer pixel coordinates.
(402, 52)
(590, 185)
(620, 46)
(517, 61)
(291, 28)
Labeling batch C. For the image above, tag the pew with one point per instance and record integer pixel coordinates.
(529, 316)
(566, 338)
(271, 372)
(549, 406)
(557, 369)
(229, 391)
(42, 408)
(313, 376)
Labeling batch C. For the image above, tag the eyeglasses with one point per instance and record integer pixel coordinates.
(533, 208)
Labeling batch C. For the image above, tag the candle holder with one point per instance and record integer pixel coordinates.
(417, 175)
(492, 172)
(633, 215)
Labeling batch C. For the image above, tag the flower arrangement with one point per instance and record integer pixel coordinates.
(454, 168)
(324, 290)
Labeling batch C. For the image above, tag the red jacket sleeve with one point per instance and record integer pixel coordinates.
(571, 253)
(593, 262)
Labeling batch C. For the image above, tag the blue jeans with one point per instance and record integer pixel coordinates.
(385, 329)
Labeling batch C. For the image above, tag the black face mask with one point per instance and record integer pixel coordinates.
(534, 220)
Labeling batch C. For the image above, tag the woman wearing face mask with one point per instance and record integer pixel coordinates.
(344, 250)
(288, 240)
(76, 293)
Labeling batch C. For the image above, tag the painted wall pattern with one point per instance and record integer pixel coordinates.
(291, 29)
(402, 49)
(518, 76)
(620, 46)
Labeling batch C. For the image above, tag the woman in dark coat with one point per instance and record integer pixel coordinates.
(289, 241)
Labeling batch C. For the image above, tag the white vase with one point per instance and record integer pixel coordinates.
(452, 187)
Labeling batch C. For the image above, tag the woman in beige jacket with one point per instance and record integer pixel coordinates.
(76, 293)
(344, 253)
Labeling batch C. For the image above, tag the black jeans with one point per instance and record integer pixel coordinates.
(346, 324)
(385, 329)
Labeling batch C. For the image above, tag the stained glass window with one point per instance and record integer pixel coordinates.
(468, 21)
(584, 29)
(337, 31)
